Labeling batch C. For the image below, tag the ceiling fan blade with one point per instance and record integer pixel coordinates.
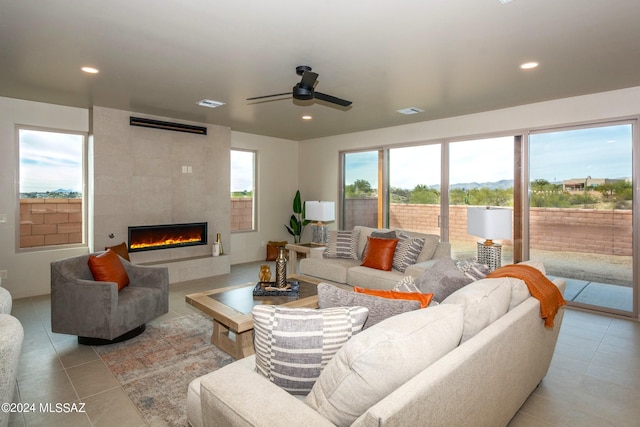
(268, 96)
(332, 99)
(308, 79)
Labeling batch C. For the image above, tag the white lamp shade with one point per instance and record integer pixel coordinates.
(489, 223)
(320, 211)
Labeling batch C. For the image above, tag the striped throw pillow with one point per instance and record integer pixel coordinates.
(293, 345)
(407, 251)
(342, 244)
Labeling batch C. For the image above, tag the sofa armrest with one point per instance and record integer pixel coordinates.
(317, 252)
(236, 395)
(416, 270)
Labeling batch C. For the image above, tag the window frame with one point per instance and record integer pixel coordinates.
(85, 187)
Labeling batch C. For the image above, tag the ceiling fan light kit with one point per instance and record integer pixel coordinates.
(305, 89)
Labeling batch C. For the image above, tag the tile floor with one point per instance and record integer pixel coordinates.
(594, 379)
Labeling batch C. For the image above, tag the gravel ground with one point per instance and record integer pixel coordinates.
(609, 269)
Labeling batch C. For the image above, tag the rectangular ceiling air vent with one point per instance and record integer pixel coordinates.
(410, 110)
(157, 124)
(210, 103)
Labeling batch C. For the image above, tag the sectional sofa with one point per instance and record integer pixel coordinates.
(472, 360)
(350, 271)
(11, 338)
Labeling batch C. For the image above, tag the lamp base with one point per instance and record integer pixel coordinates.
(490, 255)
(320, 234)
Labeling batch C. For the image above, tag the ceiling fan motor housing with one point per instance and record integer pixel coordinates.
(303, 93)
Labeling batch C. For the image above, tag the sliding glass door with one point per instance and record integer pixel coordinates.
(362, 192)
(581, 212)
(481, 174)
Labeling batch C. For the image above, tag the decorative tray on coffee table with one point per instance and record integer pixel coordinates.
(269, 289)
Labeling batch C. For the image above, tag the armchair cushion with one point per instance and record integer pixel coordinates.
(107, 267)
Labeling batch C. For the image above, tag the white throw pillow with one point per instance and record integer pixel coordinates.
(484, 301)
(379, 360)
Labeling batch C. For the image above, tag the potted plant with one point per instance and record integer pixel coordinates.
(297, 221)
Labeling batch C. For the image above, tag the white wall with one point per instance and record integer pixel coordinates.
(277, 180)
(319, 178)
(28, 271)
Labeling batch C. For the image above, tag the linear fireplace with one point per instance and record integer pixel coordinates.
(151, 237)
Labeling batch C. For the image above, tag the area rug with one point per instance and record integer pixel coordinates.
(156, 367)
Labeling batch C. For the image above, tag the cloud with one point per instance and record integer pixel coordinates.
(50, 161)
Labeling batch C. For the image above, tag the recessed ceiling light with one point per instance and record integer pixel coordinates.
(410, 110)
(90, 70)
(210, 103)
(307, 117)
(529, 65)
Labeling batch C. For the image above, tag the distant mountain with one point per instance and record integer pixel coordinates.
(497, 185)
(60, 190)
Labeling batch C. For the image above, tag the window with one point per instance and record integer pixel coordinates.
(51, 187)
(243, 189)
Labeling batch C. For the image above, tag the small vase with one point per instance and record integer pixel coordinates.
(281, 269)
(219, 242)
(265, 273)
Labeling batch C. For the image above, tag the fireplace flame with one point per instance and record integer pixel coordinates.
(165, 241)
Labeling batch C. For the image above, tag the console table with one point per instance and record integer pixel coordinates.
(300, 248)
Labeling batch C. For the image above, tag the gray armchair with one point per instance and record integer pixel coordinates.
(95, 311)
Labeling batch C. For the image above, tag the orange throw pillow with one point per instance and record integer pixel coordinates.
(379, 253)
(121, 250)
(107, 267)
(424, 299)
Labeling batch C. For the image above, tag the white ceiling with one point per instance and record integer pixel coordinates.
(446, 57)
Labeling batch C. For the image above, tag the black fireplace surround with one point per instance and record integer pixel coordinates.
(164, 236)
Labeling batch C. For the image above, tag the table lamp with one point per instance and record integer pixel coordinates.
(489, 224)
(320, 212)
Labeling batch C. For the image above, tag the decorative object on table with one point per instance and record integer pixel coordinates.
(489, 223)
(297, 221)
(219, 242)
(269, 289)
(273, 248)
(320, 212)
(215, 250)
(265, 273)
(281, 269)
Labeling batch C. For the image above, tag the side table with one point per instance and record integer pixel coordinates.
(300, 248)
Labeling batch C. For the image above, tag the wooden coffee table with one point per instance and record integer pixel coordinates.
(230, 308)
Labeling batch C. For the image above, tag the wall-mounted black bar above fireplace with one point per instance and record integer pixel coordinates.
(157, 124)
(152, 237)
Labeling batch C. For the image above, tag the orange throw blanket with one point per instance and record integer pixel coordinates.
(540, 287)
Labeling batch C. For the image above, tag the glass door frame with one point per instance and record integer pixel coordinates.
(635, 154)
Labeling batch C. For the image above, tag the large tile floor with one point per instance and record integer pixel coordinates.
(594, 379)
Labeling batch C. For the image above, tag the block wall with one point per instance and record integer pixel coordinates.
(50, 222)
(606, 232)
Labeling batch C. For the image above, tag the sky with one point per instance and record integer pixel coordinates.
(603, 152)
(50, 161)
(242, 169)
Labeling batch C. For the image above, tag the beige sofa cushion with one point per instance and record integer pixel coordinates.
(484, 302)
(377, 361)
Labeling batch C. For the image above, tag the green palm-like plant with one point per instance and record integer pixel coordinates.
(297, 221)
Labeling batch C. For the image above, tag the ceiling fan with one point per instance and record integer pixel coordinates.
(305, 89)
